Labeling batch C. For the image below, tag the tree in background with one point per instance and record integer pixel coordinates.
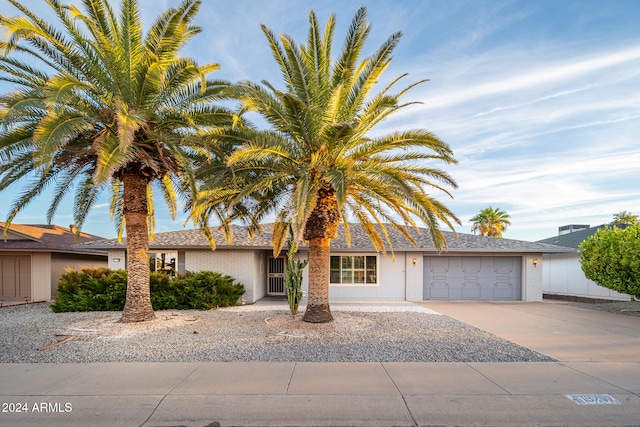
(97, 105)
(320, 163)
(611, 258)
(490, 222)
(624, 218)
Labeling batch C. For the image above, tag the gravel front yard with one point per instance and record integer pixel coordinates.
(249, 334)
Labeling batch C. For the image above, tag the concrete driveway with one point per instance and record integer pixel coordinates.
(557, 329)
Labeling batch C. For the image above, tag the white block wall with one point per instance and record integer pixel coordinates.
(239, 264)
(246, 266)
(117, 259)
(532, 277)
(563, 276)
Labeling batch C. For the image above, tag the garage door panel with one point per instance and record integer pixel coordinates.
(503, 291)
(471, 291)
(479, 278)
(439, 291)
(471, 265)
(439, 265)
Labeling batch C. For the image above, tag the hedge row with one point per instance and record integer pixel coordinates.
(102, 289)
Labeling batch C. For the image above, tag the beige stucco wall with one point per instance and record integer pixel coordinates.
(61, 262)
(46, 269)
(40, 276)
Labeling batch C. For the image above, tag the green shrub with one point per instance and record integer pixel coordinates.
(611, 258)
(203, 290)
(92, 289)
(102, 289)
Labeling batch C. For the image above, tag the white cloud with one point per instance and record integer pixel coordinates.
(546, 74)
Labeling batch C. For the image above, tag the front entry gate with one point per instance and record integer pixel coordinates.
(275, 276)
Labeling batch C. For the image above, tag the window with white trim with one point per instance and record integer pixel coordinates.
(354, 270)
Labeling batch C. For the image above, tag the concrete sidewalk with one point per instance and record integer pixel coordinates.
(590, 370)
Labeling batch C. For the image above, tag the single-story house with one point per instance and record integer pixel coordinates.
(33, 257)
(473, 267)
(563, 273)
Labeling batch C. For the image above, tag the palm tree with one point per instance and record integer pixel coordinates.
(490, 222)
(320, 164)
(109, 109)
(624, 218)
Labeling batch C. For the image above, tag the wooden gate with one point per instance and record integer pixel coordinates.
(15, 278)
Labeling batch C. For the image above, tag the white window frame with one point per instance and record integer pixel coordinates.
(342, 271)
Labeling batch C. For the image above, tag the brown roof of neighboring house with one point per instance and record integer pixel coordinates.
(46, 238)
(194, 239)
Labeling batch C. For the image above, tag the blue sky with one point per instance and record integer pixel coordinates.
(539, 100)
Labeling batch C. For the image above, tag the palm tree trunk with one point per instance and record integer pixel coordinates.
(318, 310)
(137, 307)
(320, 229)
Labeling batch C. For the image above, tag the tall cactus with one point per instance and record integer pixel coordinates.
(293, 274)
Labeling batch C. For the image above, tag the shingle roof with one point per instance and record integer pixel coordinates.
(45, 238)
(193, 239)
(573, 240)
(460, 242)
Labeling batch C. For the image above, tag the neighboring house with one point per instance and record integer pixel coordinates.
(473, 267)
(562, 271)
(33, 257)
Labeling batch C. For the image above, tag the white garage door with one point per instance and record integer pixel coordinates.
(476, 278)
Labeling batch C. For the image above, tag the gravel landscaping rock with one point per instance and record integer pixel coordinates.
(251, 333)
(629, 308)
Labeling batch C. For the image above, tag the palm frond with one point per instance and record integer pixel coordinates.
(85, 198)
(357, 34)
(54, 131)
